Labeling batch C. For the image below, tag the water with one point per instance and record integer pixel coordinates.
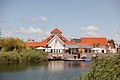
(51, 70)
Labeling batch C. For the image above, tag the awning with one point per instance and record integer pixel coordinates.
(40, 48)
(96, 49)
(58, 48)
(78, 46)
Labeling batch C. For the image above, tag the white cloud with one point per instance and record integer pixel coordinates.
(90, 31)
(8, 34)
(89, 28)
(27, 19)
(92, 34)
(30, 30)
(44, 19)
(116, 36)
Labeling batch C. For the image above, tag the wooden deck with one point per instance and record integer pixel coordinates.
(61, 56)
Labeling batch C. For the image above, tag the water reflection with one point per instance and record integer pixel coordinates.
(61, 65)
(56, 66)
(21, 66)
(77, 64)
(51, 66)
(12, 67)
(51, 70)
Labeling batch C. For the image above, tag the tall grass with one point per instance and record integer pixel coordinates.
(24, 56)
(34, 55)
(105, 68)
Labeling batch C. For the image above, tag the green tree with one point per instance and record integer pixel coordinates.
(1, 43)
(111, 41)
(10, 44)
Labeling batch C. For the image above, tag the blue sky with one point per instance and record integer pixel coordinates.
(75, 18)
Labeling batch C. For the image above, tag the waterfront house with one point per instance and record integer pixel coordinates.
(57, 43)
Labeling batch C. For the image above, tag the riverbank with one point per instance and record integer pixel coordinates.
(105, 67)
(33, 55)
(30, 55)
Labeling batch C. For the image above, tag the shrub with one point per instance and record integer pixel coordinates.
(34, 55)
(26, 55)
(105, 68)
(8, 57)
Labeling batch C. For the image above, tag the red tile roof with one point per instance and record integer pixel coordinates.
(63, 38)
(56, 31)
(87, 41)
(92, 41)
(33, 44)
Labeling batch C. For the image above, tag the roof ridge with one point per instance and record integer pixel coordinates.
(56, 31)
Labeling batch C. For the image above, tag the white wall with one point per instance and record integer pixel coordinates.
(56, 45)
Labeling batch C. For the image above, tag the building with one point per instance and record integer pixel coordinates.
(99, 45)
(57, 43)
(94, 42)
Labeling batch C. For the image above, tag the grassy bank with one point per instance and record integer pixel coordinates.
(104, 68)
(31, 55)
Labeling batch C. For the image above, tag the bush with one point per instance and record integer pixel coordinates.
(105, 68)
(34, 55)
(8, 57)
(26, 55)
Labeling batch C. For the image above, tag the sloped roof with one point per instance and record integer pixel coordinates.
(92, 41)
(33, 44)
(55, 37)
(51, 36)
(63, 38)
(84, 40)
(56, 31)
(44, 42)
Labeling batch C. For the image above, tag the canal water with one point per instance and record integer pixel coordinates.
(51, 70)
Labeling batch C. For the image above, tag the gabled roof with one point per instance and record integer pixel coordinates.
(56, 31)
(63, 38)
(56, 38)
(92, 41)
(51, 36)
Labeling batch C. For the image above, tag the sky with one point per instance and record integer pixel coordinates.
(35, 19)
